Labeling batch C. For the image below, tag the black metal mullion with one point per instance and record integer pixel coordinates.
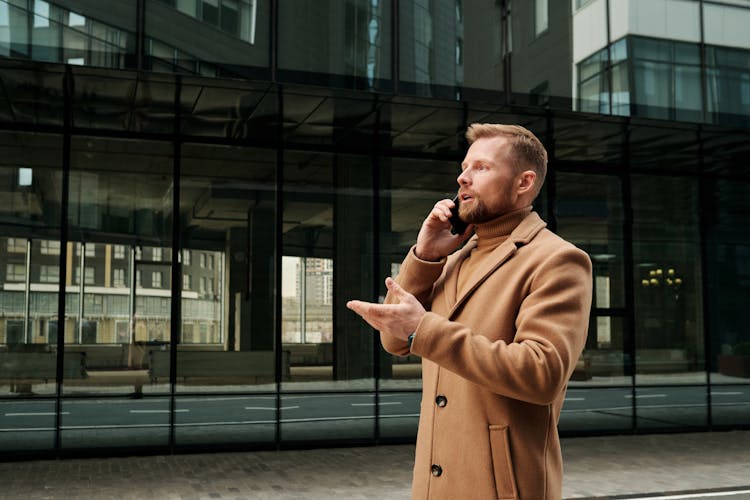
(705, 198)
(63, 261)
(376, 271)
(608, 70)
(273, 46)
(703, 68)
(277, 259)
(395, 41)
(551, 180)
(140, 34)
(176, 319)
(627, 202)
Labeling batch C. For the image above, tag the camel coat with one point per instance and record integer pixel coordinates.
(495, 365)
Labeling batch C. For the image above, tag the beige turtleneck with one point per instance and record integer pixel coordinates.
(489, 236)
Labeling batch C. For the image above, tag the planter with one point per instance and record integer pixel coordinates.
(734, 365)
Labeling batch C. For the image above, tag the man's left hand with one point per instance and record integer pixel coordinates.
(399, 320)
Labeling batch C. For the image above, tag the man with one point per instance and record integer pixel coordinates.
(499, 325)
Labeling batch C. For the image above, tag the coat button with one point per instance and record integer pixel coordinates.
(441, 401)
(437, 471)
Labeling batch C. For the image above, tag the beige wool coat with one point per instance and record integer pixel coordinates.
(495, 365)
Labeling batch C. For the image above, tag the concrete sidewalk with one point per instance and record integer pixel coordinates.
(600, 467)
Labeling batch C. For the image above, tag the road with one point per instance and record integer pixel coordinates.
(99, 413)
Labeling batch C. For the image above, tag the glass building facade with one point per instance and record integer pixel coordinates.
(191, 190)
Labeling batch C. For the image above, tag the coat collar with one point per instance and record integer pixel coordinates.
(521, 235)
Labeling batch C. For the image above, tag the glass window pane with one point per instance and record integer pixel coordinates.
(409, 190)
(590, 215)
(652, 92)
(541, 16)
(92, 34)
(233, 34)
(730, 404)
(337, 417)
(728, 85)
(620, 90)
(667, 267)
(597, 409)
(121, 423)
(29, 274)
(312, 254)
(120, 201)
(728, 278)
(227, 420)
(399, 414)
(227, 344)
(28, 426)
(350, 40)
(435, 39)
(671, 407)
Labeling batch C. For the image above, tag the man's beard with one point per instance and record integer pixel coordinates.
(477, 214)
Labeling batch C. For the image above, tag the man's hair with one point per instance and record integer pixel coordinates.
(525, 152)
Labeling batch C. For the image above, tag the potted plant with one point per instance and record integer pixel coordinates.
(736, 364)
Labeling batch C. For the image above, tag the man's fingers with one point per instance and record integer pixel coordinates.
(374, 314)
(442, 210)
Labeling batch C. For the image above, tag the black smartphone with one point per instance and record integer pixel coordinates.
(457, 225)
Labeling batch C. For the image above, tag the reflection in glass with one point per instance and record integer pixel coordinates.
(28, 426)
(331, 417)
(226, 420)
(87, 423)
(117, 304)
(227, 214)
(666, 79)
(450, 44)
(307, 265)
(730, 404)
(680, 407)
(590, 215)
(347, 39)
(233, 36)
(603, 85)
(728, 85)
(728, 276)
(30, 194)
(307, 301)
(46, 31)
(409, 190)
(597, 409)
(667, 281)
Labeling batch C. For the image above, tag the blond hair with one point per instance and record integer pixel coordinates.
(525, 152)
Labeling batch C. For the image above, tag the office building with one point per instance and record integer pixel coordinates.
(191, 190)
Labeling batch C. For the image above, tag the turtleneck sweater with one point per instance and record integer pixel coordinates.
(490, 235)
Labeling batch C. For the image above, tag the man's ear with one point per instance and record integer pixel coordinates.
(526, 181)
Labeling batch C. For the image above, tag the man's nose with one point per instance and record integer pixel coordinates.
(463, 179)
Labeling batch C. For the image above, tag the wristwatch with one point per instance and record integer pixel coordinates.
(410, 339)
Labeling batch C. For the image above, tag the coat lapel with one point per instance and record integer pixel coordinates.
(521, 235)
(450, 286)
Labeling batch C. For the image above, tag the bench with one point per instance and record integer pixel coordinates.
(22, 369)
(217, 367)
(310, 354)
(102, 356)
(661, 361)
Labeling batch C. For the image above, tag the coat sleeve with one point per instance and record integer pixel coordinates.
(550, 333)
(417, 277)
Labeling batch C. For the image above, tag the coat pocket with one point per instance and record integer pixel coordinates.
(502, 465)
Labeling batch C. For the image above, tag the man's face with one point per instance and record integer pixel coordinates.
(487, 181)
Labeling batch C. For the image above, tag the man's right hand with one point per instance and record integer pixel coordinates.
(435, 239)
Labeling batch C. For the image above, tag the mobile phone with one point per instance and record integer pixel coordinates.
(458, 226)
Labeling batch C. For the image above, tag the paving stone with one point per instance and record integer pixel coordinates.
(594, 467)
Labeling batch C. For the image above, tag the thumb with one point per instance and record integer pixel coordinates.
(397, 290)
